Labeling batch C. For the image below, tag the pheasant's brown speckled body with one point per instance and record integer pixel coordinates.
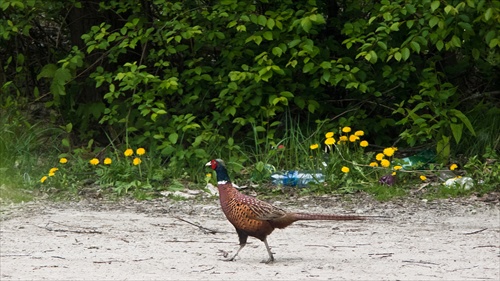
(253, 217)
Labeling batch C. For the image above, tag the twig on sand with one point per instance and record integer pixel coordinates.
(420, 261)
(202, 228)
(84, 231)
(474, 232)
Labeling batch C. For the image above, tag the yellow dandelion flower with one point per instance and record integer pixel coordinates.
(373, 164)
(343, 138)
(108, 161)
(345, 169)
(398, 168)
(53, 170)
(346, 129)
(423, 178)
(379, 156)
(51, 174)
(359, 133)
(63, 160)
(329, 135)
(353, 138)
(208, 175)
(140, 151)
(314, 146)
(385, 163)
(137, 161)
(94, 161)
(393, 173)
(389, 151)
(363, 143)
(330, 141)
(43, 179)
(128, 152)
(453, 167)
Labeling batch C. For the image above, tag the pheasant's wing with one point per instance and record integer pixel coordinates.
(261, 210)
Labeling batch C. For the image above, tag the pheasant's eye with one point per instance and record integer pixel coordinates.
(214, 164)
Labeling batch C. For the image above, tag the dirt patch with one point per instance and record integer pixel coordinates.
(129, 240)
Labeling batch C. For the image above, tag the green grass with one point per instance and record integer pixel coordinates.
(485, 121)
(386, 193)
(11, 193)
(22, 147)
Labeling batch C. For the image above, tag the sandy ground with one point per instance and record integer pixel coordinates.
(156, 240)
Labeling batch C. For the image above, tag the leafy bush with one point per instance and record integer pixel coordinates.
(194, 80)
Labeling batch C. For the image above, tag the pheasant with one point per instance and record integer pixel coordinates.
(256, 218)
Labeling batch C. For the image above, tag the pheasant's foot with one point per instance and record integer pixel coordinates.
(232, 258)
(268, 261)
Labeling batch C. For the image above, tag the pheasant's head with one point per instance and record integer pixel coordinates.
(220, 168)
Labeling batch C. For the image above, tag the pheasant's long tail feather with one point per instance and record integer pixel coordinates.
(306, 216)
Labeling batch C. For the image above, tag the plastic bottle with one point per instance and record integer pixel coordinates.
(296, 178)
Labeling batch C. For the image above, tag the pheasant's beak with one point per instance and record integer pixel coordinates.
(209, 163)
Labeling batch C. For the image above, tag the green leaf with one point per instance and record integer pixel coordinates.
(493, 43)
(308, 67)
(268, 35)
(435, 5)
(257, 39)
(294, 43)
(405, 53)
(382, 45)
(394, 26)
(47, 71)
(61, 77)
(443, 148)
(326, 65)
(286, 94)
(434, 20)
(464, 120)
(397, 56)
(65, 142)
(306, 24)
(173, 137)
(373, 56)
(270, 23)
(410, 23)
(489, 36)
(415, 46)
(488, 14)
(457, 129)
(440, 45)
(448, 9)
(262, 20)
(410, 8)
(277, 51)
(455, 41)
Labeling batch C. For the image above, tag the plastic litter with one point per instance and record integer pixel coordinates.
(463, 182)
(418, 160)
(296, 178)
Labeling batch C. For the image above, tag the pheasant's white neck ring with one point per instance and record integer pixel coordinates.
(221, 182)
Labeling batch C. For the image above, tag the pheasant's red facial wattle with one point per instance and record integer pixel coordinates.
(213, 164)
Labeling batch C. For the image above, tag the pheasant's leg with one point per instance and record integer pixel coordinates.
(233, 257)
(271, 258)
(243, 241)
